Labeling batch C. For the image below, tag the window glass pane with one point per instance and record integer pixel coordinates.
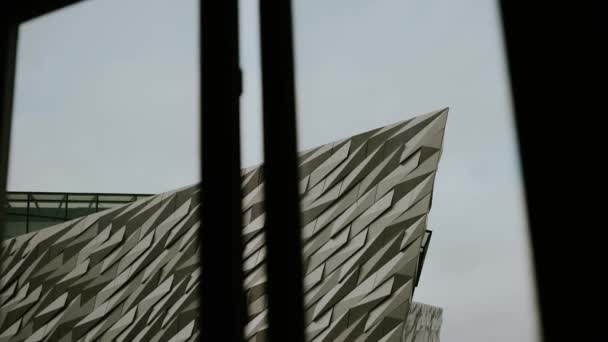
(78, 198)
(365, 65)
(47, 211)
(17, 204)
(106, 110)
(15, 225)
(17, 211)
(17, 196)
(48, 197)
(78, 209)
(251, 104)
(106, 99)
(114, 198)
(47, 204)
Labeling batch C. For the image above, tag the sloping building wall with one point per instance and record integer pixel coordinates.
(423, 323)
(131, 273)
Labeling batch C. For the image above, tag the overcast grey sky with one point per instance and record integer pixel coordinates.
(106, 100)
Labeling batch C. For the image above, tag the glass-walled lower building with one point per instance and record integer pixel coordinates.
(30, 211)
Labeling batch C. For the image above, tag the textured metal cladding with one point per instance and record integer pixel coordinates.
(131, 273)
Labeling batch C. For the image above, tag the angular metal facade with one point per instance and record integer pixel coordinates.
(423, 323)
(131, 273)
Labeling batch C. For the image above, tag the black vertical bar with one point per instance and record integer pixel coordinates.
(8, 53)
(67, 200)
(222, 296)
(284, 252)
(517, 25)
(27, 214)
(554, 53)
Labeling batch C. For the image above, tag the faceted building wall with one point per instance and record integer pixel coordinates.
(131, 273)
(423, 323)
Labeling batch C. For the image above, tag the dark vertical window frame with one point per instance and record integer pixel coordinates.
(516, 25)
(554, 54)
(8, 51)
(65, 210)
(222, 295)
(284, 251)
(27, 213)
